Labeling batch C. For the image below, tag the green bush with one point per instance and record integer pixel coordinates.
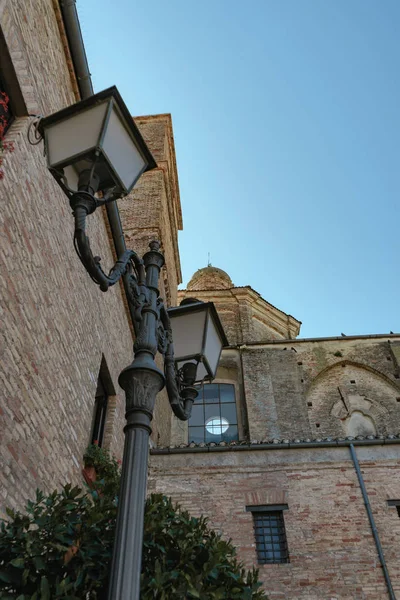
(62, 546)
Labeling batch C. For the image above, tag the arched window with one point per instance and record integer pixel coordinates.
(214, 416)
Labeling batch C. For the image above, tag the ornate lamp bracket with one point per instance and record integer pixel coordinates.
(143, 296)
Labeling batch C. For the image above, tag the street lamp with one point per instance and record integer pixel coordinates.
(96, 154)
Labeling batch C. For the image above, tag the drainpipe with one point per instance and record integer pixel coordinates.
(78, 54)
(75, 41)
(244, 404)
(372, 523)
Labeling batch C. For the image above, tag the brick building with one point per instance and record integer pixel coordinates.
(278, 475)
(273, 443)
(63, 343)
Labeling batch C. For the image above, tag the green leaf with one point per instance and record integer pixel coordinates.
(39, 563)
(18, 562)
(8, 576)
(44, 588)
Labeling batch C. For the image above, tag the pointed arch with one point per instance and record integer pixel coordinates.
(351, 363)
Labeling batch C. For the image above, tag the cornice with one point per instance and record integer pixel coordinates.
(280, 444)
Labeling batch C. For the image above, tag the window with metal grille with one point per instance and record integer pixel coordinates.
(100, 413)
(214, 416)
(270, 534)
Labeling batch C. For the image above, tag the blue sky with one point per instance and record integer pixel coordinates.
(286, 118)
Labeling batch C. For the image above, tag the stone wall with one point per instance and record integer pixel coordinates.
(310, 389)
(332, 553)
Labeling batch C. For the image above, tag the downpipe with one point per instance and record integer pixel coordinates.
(372, 522)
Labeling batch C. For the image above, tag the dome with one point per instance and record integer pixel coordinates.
(210, 278)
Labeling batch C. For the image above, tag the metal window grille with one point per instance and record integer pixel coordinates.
(270, 534)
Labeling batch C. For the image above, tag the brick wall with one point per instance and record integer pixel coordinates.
(153, 211)
(245, 315)
(56, 326)
(331, 548)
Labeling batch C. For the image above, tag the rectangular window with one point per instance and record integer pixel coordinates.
(9, 88)
(396, 504)
(100, 413)
(270, 534)
(6, 113)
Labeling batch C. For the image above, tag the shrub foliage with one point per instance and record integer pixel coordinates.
(62, 546)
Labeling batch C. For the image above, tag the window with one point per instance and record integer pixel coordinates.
(395, 503)
(269, 530)
(9, 86)
(214, 417)
(6, 114)
(100, 412)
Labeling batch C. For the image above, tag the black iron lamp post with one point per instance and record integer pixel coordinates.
(96, 154)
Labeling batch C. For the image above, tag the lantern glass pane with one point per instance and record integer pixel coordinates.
(213, 345)
(201, 372)
(187, 333)
(75, 135)
(122, 152)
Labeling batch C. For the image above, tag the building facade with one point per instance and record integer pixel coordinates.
(271, 450)
(63, 342)
(278, 476)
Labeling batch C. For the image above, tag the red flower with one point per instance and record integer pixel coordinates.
(95, 442)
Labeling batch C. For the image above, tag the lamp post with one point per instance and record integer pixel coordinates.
(96, 154)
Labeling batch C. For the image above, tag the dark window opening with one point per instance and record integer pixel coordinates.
(214, 416)
(100, 413)
(317, 425)
(9, 87)
(396, 504)
(352, 380)
(270, 534)
(309, 403)
(6, 113)
(397, 399)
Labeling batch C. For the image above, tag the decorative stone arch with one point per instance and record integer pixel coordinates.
(351, 398)
(346, 362)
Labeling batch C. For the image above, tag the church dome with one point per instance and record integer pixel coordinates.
(210, 278)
